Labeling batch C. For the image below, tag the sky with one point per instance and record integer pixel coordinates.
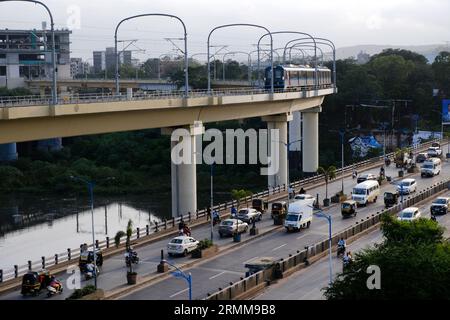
(345, 22)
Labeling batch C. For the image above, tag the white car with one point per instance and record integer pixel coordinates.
(409, 214)
(434, 152)
(305, 196)
(407, 186)
(181, 245)
(249, 215)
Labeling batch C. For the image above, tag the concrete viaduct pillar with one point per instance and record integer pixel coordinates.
(311, 140)
(279, 122)
(184, 175)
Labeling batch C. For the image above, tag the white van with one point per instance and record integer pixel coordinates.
(365, 192)
(299, 215)
(431, 167)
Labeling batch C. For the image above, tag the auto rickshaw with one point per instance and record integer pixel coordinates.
(260, 205)
(87, 257)
(390, 199)
(348, 208)
(279, 210)
(33, 282)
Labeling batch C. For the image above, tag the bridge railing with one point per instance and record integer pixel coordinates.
(36, 100)
(170, 225)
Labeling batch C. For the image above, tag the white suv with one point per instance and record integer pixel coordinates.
(407, 186)
(181, 245)
(249, 215)
(409, 214)
(305, 196)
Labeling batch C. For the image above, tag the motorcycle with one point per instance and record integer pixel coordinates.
(187, 231)
(346, 262)
(54, 287)
(387, 161)
(340, 250)
(89, 273)
(131, 257)
(216, 220)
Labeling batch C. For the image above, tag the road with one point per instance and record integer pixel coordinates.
(218, 272)
(306, 284)
(208, 276)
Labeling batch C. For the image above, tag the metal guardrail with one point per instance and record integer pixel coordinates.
(73, 254)
(37, 100)
(245, 284)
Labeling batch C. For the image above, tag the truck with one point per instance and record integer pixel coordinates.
(402, 159)
(299, 215)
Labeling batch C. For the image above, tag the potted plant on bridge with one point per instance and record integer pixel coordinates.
(205, 248)
(131, 274)
(328, 174)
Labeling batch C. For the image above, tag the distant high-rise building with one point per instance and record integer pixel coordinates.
(26, 55)
(99, 61)
(77, 67)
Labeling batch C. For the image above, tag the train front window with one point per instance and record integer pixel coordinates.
(278, 74)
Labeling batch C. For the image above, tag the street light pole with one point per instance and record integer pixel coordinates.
(342, 133)
(52, 29)
(320, 214)
(181, 274)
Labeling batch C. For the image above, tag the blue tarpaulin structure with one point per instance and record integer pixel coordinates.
(362, 145)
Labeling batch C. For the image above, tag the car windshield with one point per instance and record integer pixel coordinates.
(389, 195)
(227, 223)
(243, 211)
(404, 184)
(346, 205)
(276, 206)
(406, 214)
(176, 241)
(292, 217)
(440, 201)
(359, 191)
(427, 166)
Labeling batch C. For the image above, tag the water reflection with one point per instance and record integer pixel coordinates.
(31, 227)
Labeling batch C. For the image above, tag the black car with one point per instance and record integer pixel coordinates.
(421, 157)
(366, 176)
(440, 206)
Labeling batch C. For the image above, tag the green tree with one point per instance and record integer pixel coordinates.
(240, 194)
(328, 174)
(441, 70)
(414, 262)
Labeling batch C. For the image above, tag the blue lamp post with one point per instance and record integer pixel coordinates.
(320, 214)
(91, 185)
(181, 274)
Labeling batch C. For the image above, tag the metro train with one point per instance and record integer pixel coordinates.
(291, 76)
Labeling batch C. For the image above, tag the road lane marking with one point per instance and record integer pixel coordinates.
(179, 292)
(219, 274)
(279, 247)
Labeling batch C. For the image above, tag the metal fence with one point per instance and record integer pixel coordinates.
(38, 100)
(171, 224)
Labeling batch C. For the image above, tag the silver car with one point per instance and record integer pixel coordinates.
(249, 215)
(229, 227)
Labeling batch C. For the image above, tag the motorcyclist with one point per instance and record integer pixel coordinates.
(302, 191)
(354, 174)
(233, 211)
(347, 259)
(382, 172)
(341, 246)
(216, 217)
(433, 217)
(187, 231)
(181, 225)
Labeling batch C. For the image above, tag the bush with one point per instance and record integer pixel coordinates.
(79, 293)
(204, 244)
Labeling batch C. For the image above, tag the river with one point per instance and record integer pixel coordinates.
(34, 226)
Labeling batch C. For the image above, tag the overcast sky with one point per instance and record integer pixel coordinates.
(346, 22)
